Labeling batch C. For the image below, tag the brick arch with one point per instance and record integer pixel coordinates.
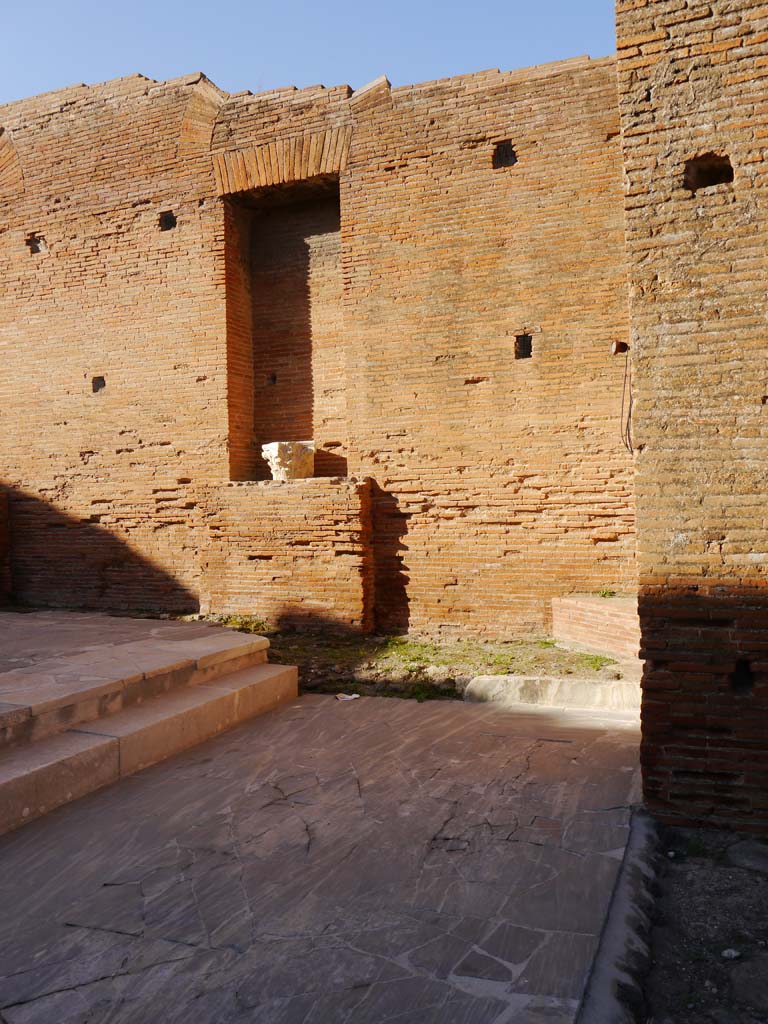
(11, 175)
(290, 159)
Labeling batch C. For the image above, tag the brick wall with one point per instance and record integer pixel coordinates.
(113, 559)
(110, 295)
(508, 475)
(608, 625)
(299, 553)
(497, 483)
(693, 80)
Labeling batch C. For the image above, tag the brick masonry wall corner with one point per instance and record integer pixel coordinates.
(693, 86)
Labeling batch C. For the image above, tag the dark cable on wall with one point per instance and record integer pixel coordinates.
(626, 400)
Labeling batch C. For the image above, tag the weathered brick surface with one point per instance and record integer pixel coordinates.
(693, 80)
(509, 475)
(304, 550)
(111, 296)
(610, 625)
(496, 483)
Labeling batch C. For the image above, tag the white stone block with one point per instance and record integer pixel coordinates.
(290, 460)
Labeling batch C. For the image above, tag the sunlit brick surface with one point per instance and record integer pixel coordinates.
(146, 357)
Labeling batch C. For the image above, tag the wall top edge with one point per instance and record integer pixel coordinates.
(140, 85)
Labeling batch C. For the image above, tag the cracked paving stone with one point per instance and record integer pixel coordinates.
(171, 858)
(512, 944)
(438, 956)
(86, 964)
(116, 908)
(556, 969)
(394, 940)
(575, 898)
(478, 965)
(62, 1007)
(158, 882)
(463, 1010)
(381, 862)
(108, 988)
(174, 915)
(590, 836)
(544, 1011)
(325, 969)
(384, 1001)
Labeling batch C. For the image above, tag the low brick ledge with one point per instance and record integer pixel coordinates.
(608, 625)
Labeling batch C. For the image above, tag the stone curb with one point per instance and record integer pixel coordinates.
(556, 691)
(614, 992)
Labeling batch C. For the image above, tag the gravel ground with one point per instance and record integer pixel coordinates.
(420, 667)
(425, 669)
(709, 942)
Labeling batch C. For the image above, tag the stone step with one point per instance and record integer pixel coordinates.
(57, 694)
(37, 777)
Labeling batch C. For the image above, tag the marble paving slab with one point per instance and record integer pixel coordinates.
(53, 658)
(364, 862)
(28, 638)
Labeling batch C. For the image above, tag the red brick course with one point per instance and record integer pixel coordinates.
(303, 551)
(509, 474)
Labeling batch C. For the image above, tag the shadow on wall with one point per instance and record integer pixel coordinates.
(283, 386)
(705, 704)
(383, 575)
(328, 463)
(60, 560)
(391, 579)
(297, 618)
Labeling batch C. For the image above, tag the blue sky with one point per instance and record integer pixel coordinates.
(265, 44)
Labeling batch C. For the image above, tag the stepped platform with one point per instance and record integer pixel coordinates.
(86, 699)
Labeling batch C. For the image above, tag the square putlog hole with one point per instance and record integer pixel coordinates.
(523, 346)
(36, 243)
(504, 154)
(706, 170)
